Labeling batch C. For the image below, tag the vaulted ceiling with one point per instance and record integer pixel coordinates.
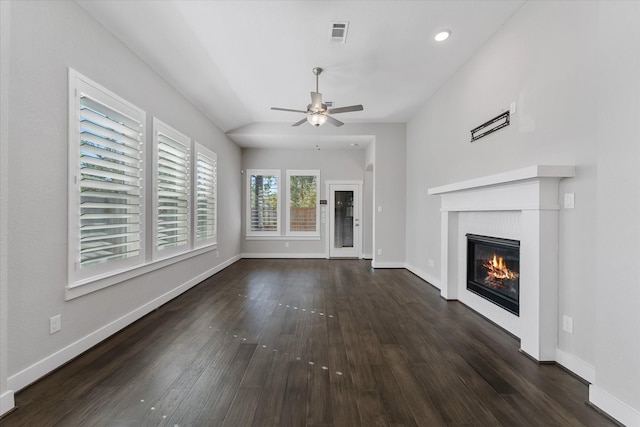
(236, 59)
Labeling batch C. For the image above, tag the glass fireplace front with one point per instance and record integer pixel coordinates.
(493, 270)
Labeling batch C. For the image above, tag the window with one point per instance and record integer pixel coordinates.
(107, 192)
(303, 202)
(172, 195)
(263, 202)
(206, 179)
(106, 214)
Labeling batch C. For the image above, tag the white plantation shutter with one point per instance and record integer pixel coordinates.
(172, 190)
(106, 225)
(206, 196)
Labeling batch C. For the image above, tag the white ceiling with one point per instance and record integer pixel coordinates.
(236, 59)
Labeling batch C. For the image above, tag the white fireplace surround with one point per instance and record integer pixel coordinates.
(522, 205)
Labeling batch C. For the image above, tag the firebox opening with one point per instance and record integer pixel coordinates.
(493, 270)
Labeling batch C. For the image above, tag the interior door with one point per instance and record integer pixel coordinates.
(344, 221)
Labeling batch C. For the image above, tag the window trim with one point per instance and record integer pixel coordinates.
(255, 172)
(309, 172)
(77, 85)
(96, 283)
(117, 271)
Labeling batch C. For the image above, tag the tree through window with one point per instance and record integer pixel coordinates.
(303, 202)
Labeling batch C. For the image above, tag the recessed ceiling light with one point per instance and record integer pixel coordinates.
(354, 144)
(442, 35)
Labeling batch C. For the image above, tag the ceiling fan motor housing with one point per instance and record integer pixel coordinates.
(311, 110)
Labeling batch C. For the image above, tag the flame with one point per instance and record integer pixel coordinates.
(497, 269)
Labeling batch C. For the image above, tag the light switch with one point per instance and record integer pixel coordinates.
(567, 324)
(379, 208)
(569, 200)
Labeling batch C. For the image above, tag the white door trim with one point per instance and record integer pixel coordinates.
(328, 184)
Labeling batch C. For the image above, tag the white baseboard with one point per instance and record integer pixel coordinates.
(429, 278)
(578, 366)
(283, 255)
(614, 407)
(387, 264)
(62, 356)
(6, 402)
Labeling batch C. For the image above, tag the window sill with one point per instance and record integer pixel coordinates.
(93, 284)
(282, 238)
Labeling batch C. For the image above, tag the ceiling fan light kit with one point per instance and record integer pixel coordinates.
(317, 119)
(318, 113)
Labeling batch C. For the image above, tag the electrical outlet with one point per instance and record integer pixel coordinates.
(430, 262)
(379, 251)
(286, 244)
(217, 254)
(512, 108)
(567, 324)
(55, 324)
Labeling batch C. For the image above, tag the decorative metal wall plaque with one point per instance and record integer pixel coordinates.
(491, 126)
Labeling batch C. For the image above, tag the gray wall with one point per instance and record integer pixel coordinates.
(573, 69)
(46, 38)
(367, 212)
(6, 396)
(617, 316)
(389, 188)
(333, 165)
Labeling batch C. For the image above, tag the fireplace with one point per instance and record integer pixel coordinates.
(493, 270)
(519, 204)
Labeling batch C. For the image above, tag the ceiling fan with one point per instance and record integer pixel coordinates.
(317, 112)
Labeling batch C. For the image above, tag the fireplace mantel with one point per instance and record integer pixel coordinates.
(534, 187)
(518, 175)
(531, 194)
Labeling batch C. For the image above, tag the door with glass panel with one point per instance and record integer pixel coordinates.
(344, 220)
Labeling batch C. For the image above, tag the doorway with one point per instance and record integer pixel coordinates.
(345, 236)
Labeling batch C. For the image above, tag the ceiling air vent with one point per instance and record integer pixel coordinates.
(338, 32)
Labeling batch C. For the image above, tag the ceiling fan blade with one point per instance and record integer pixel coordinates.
(288, 109)
(300, 122)
(316, 100)
(333, 121)
(345, 109)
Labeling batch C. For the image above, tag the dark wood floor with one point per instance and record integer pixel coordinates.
(307, 343)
